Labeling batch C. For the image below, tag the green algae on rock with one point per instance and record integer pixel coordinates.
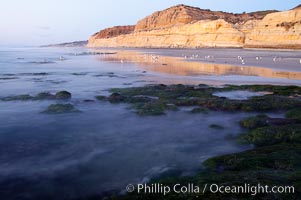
(276, 98)
(199, 110)
(254, 122)
(216, 126)
(294, 114)
(23, 97)
(60, 108)
(277, 163)
(274, 160)
(63, 95)
(44, 96)
(272, 135)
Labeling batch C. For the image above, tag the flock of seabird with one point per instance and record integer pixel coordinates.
(155, 58)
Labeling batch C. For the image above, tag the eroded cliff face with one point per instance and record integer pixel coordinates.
(277, 30)
(114, 32)
(182, 14)
(188, 27)
(200, 34)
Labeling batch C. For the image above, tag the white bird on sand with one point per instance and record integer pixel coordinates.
(121, 61)
(300, 61)
(62, 58)
(242, 61)
(155, 58)
(208, 57)
(274, 59)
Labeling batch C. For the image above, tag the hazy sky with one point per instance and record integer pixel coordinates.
(36, 22)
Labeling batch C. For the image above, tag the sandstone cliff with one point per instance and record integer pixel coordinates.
(184, 26)
(277, 30)
(114, 32)
(181, 15)
(217, 33)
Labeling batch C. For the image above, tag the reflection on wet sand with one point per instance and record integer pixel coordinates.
(178, 66)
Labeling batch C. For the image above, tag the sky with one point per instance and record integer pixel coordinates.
(39, 22)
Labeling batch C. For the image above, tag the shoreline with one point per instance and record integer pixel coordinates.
(198, 48)
(192, 62)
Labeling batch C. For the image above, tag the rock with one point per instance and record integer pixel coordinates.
(101, 98)
(280, 121)
(255, 122)
(116, 98)
(160, 98)
(294, 114)
(151, 108)
(216, 126)
(23, 97)
(45, 96)
(199, 110)
(89, 101)
(63, 95)
(271, 135)
(60, 108)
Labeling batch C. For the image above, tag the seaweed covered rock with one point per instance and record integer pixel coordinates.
(254, 122)
(276, 155)
(116, 98)
(280, 156)
(294, 114)
(273, 135)
(151, 108)
(202, 96)
(216, 126)
(24, 97)
(199, 110)
(39, 96)
(44, 96)
(60, 108)
(272, 165)
(101, 98)
(63, 95)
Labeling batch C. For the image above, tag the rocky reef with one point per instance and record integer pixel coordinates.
(273, 158)
(158, 99)
(189, 27)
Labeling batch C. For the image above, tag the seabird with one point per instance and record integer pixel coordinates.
(242, 61)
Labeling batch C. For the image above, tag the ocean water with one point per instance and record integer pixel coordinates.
(105, 147)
